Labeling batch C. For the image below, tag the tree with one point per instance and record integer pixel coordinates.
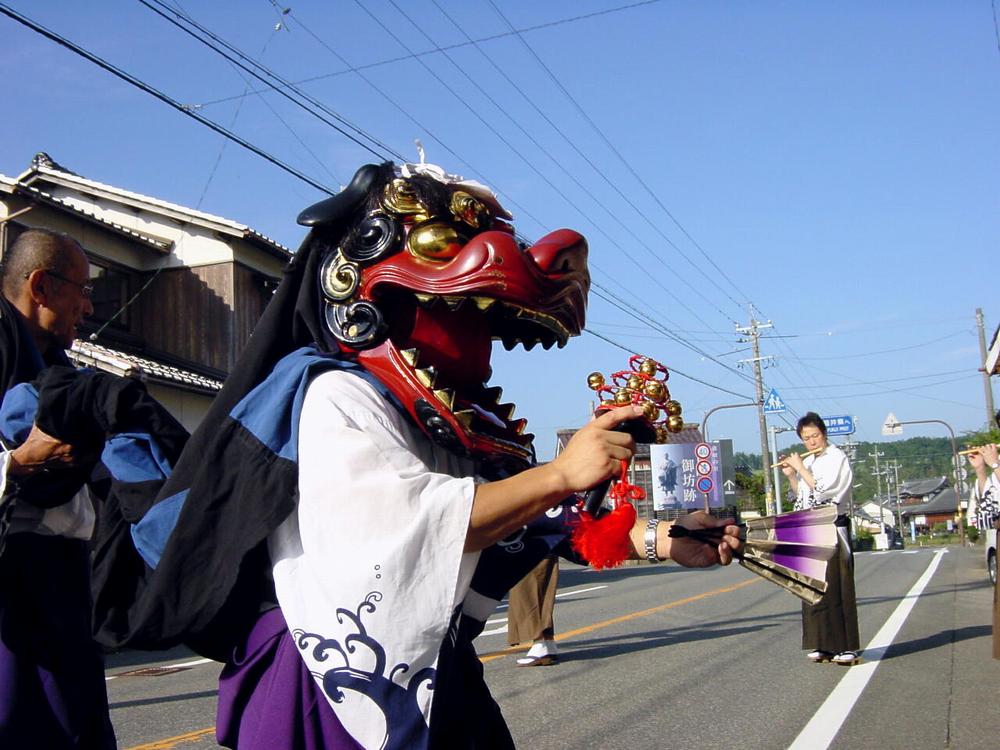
(752, 487)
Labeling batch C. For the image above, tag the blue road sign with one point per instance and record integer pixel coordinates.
(840, 425)
(773, 403)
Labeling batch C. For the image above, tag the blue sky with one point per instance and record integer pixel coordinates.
(836, 166)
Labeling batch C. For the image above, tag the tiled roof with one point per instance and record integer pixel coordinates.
(945, 501)
(103, 358)
(922, 487)
(34, 193)
(42, 164)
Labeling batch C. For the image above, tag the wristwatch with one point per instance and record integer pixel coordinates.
(649, 540)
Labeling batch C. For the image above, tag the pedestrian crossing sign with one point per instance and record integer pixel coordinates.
(773, 403)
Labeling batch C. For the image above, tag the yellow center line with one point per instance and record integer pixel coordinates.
(622, 618)
(172, 742)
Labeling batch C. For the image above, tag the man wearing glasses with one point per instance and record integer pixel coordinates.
(52, 688)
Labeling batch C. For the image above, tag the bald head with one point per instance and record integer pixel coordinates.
(46, 277)
(37, 248)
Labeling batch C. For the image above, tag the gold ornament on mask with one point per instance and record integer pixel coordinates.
(434, 241)
(469, 210)
(339, 277)
(400, 197)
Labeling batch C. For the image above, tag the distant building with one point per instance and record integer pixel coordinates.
(927, 502)
(177, 292)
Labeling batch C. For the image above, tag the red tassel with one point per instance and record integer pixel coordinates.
(604, 542)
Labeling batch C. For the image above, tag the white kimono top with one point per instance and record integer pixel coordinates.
(833, 479)
(371, 563)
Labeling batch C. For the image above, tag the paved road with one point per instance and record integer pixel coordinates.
(659, 656)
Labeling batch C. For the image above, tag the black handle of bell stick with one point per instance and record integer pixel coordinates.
(642, 432)
(594, 498)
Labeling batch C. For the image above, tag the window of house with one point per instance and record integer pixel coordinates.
(111, 292)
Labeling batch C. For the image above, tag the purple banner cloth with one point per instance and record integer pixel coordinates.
(52, 688)
(268, 700)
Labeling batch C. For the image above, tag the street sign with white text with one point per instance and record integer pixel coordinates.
(839, 425)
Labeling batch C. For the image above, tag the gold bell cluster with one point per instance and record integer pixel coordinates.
(643, 384)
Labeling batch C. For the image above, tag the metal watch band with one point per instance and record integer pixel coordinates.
(650, 540)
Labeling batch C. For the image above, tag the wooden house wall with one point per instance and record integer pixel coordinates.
(251, 299)
(188, 314)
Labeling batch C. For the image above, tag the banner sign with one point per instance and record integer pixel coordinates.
(684, 474)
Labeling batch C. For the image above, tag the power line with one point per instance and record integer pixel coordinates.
(558, 163)
(628, 166)
(672, 370)
(507, 199)
(128, 78)
(604, 293)
(877, 382)
(887, 351)
(492, 37)
(267, 72)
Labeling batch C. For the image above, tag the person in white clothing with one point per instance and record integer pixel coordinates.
(830, 627)
(984, 497)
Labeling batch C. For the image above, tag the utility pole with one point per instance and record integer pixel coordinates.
(776, 471)
(899, 514)
(851, 449)
(878, 481)
(987, 385)
(753, 331)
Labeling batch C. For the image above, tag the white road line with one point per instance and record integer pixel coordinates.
(185, 665)
(503, 621)
(581, 591)
(826, 722)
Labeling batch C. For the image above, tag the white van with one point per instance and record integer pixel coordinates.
(991, 555)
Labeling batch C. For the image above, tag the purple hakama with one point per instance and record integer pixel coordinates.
(268, 700)
(52, 688)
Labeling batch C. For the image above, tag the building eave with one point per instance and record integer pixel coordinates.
(43, 170)
(36, 195)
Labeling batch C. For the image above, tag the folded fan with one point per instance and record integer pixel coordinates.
(790, 550)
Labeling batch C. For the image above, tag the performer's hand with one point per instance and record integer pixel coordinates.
(794, 461)
(977, 463)
(596, 451)
(786, 469)
(693, 553)
(40, 451)
(989, 454)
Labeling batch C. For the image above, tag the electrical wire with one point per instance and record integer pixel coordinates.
(252, 67)
(141, 85)
(403, 58)
(672, 370)
(628, 166)
(557, 162)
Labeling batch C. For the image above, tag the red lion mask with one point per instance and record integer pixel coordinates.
(419, 280)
